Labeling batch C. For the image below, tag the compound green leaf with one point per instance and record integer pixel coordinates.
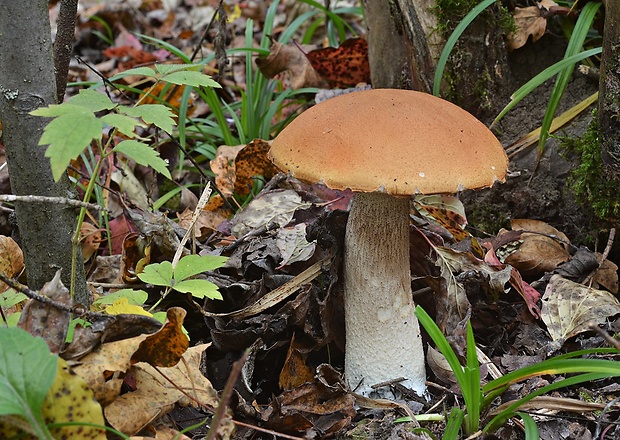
(157, 274)
(191, 265)
(190, 78)
(56, 110)
(142, 71)
(67, 137)
(124, 124)
(144, 155)
(27, 371)
(198, 288)
(136, 297)
(156, 114)
(92, 100)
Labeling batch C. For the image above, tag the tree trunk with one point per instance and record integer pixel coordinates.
(609, 92)
(402, 46)
(27, 82)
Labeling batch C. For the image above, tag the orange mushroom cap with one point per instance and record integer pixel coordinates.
(398, 141)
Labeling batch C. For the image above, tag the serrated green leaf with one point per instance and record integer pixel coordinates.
(167, 69)
(135, 297)
(124, 124)
(67, 137)
(142, 71)
(56, 110)
(157, 114)
(92, 100)
(198, 288)
(157, 274)
(191, 265)
(143, 155)
(27, 371)
(190, 78)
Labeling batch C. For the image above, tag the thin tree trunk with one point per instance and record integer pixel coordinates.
(609, 92)
(399, 33)
(27, 81)
(63, 44)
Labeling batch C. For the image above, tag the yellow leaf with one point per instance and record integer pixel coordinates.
(122, 305)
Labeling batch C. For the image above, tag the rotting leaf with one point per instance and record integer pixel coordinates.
(290, 58)
(529, 21)
(321, 406)
(104, 369)
(11, 259)
(155, 394)
(343, 66)
(540, 251)
(252, 161)
(47, 321)
(70, 399)
(223, 166)
(295, 370)
(293, 246)
(165, 347)
(276, 207)
(569, 308)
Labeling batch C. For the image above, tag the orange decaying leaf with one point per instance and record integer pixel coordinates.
(166, 347)
(344, 66)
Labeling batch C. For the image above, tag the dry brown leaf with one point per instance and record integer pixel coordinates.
(607, 274)
(569, 308)
(343, 66)
(252, 161)
(289, 58)
(223, 166)
(90, 240)
(156, 395)
(46, 321)
(165, 347)
(11, 259)
(105, 368)
(440, 366)
(295, 370)
(528, 21)
(538, 252)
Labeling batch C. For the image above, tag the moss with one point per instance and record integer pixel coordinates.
(588, 180)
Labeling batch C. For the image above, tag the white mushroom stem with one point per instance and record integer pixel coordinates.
(383, 339)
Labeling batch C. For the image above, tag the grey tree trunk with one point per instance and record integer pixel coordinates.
(609, 92)
(27, 81)
(402, 47)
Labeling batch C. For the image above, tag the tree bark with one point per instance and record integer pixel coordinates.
(27, 82)
(402, 47)
(609, 92)
(63, 44)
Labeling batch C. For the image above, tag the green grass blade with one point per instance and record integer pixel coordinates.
(442, 343)
(584, 22)
(456, 34)
(543, 76)
(294, 26)
(531, 429)
(501, 418)
(453, 424)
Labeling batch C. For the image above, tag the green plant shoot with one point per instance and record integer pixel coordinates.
(179, 277)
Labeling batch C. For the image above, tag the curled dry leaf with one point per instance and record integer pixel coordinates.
(47, 321)
(569, 308)
(165, 347)
(538, 252)
(289, 58)
(529, 21)
(11, 259)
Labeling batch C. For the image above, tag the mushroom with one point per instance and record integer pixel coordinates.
(386, 145)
